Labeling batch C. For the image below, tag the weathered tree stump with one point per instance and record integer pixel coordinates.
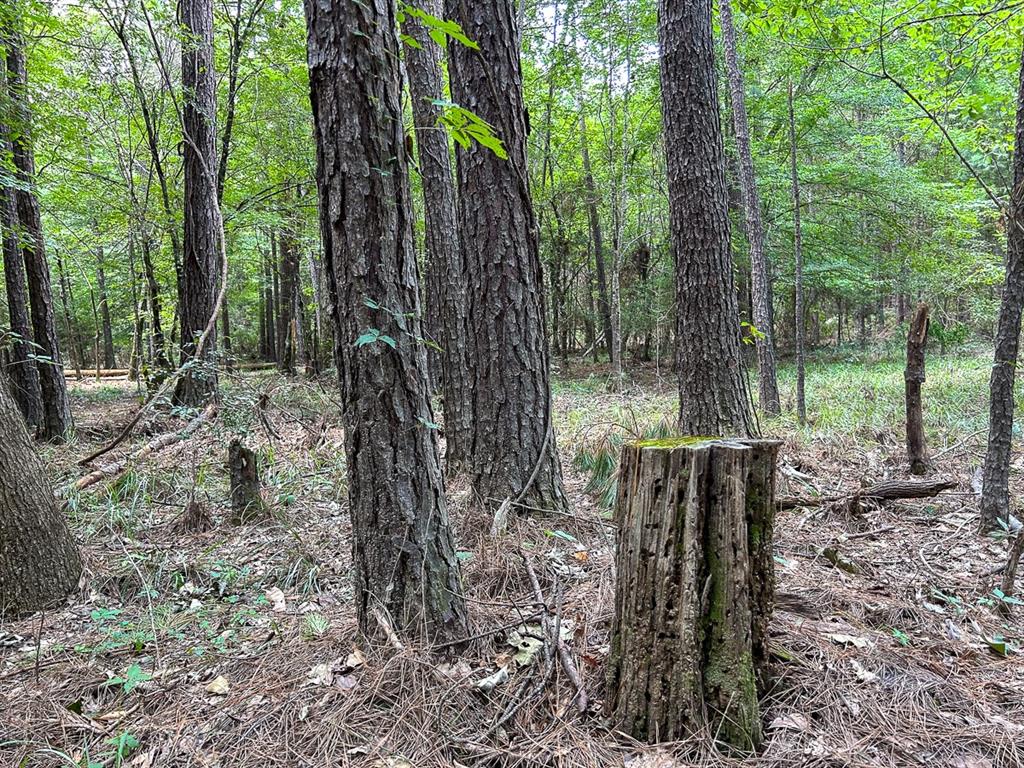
(695, 588)
(246, 502)
(913, 378)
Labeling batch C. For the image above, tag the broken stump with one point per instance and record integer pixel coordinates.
(695, 589)
(246, 502)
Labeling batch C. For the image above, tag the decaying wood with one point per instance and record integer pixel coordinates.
(1010, 571)
(914, 377)
(244, 472)
(888, 490)
(155, 445)
(695, 589)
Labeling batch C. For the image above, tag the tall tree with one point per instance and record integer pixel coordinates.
(39, 562)
(22, 371)
(513, 436)
(57, 421)
(798, 267)
(405, 567)
(200, 263)
(596, 237)
(760, 287)
(445, 267)
(995, 494)
(713, 398)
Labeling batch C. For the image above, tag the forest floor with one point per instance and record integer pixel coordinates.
(237, 646)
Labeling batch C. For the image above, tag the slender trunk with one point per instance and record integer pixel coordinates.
(798, 269)
(70, 326)
(914, 377)
(288, 270)
(269, 297)
(57, 421)
(139, 322)
(513, 445)
(405, 570)
(597, 239)
(445, 264)
(712, 389)
(200, 264)
(995, 494)
(760, 284)
(158, 354)
(107, 331)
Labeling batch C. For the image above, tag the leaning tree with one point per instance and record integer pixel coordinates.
(405, 568)
(39, 562)
(512, 436)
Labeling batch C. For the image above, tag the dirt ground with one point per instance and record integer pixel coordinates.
(237, 646)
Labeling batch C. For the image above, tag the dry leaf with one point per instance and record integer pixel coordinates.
(842, 639)
(355, 659)
(276, 598)
(219, 686)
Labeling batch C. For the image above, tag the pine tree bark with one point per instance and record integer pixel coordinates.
(798, 270)
(57, 422)
(689, 645)
(513, 443)
(712, 390)
(445, 265)
(995, 494)
(22, 371)
(404, 556)
(39, 561)
(200, 263)
(764, 342)
(914, 377)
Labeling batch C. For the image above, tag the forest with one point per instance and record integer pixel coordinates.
(571, 383)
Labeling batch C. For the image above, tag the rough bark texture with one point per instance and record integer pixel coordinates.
(798, 270)
(713, 398)
(995, 494)
(513, 442)
(57, 422)
(760, 285)
(914, 377)
(39, 561)
(22, 371)
(200, 272)
(244, 472)
(403, 553)
(695, 589)
(445, 266)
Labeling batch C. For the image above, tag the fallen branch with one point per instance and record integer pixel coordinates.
(153, 446)
(554, 635)
(888, 490)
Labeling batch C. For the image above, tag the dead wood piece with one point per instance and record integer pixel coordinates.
(244, 472)
(155, 445)
(1010, 571)
(914, 378)
(888, 490)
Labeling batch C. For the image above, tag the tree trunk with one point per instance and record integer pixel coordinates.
(200, 273)
(57, 422)
(405, 567)
(712, 390)
(689, 636)
(513, 436)
(22, 371)
(603, 305)
(39, 561)
(269, 297)
(764, 341)
(995, 494)
(107, 330)
(289, 272)
(445, 264)
(159, 354)
(70, 326)
(244, 472)
(914, 377)
(798, 270)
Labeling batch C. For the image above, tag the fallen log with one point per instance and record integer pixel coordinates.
(155, 445)
(888, 490)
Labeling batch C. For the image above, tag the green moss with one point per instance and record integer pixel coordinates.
(673, 442)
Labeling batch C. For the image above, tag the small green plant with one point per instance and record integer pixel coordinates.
(123, 745)
(901, 637)
(130, 680)
(315, 626)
